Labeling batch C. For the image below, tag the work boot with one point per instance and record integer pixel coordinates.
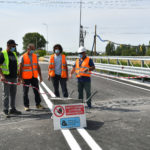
(40, 106)
(89, 105)
(26, 108)
(5, 113)
(14, 111)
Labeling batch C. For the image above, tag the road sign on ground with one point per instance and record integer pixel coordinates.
(66, 116)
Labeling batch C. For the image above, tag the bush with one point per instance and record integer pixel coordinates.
(40, 53)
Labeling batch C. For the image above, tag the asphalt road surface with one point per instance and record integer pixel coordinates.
(119, 120)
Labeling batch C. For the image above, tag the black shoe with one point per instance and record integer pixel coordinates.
(14, 112)
(89, 106)
(5, 112)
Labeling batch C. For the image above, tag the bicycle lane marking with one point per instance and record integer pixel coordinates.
(85, 135)
(66, 133)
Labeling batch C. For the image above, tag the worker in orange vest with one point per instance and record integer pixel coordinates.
(83, 67)
(28, 72)
(58, 70)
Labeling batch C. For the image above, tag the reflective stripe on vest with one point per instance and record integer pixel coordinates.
(5, 65)
(52, 66)
(30, 70)
(80, 69)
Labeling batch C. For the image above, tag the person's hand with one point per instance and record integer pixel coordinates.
(86, 70)
(70, 76)
(3, 78)
(49, 78)
(41, 79)
(20, 80)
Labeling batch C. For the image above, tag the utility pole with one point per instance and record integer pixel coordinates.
(95, 40)
(81, 37)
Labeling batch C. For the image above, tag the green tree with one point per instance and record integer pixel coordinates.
(37, 39)
(148, 52)
(118, 50)
(143, 50)
(110, 49)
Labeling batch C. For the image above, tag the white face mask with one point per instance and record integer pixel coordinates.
(57, 51)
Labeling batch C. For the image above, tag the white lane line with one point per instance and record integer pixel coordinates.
(85, 135)
(48, 90)
(89, 140)
(48, 102)
(71, 140)
(67, 134)
(122, 83)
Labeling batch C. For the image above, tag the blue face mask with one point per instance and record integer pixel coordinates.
(32, 51)
(57, 51)
(80, 55)
(12, 49)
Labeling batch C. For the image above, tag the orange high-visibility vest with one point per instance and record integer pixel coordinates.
(30, 70)
(80, 69)
(52, 67)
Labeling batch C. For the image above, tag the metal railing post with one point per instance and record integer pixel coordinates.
(142, 65)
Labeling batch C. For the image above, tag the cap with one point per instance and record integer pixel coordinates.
(11, 42)
(81, 49)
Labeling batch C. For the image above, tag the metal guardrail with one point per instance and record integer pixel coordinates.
(145, 58)
(118, 68)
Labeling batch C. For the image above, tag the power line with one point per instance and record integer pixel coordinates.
(85, 3)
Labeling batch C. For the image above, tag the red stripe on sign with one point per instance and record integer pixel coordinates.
(74, 110)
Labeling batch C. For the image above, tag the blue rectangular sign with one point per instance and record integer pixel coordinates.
(70, 122)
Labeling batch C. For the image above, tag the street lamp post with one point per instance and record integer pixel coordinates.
(47, 33)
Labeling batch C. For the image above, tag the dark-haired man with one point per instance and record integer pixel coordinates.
(9, 72)
(58, 70)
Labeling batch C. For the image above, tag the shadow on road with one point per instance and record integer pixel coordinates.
(34, 114)
(94, 125)
(115, 109)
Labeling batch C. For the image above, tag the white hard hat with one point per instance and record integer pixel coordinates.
(81, 49)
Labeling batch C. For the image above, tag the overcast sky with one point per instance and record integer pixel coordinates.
(122, 21)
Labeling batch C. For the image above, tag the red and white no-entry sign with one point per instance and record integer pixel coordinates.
(59, 111)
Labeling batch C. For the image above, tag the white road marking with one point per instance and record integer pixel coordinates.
(122, 83)
(89, 140)
(71, 140)
(85, 135)
(67, 134)
(48, 90)
(124, 79)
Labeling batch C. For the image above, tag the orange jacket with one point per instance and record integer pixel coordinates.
(80, 69)
(52, 67)
(30, 70)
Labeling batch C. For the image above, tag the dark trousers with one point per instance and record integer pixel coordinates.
(9, 94)
(63, 83)
(33, 82)
(87, 87)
